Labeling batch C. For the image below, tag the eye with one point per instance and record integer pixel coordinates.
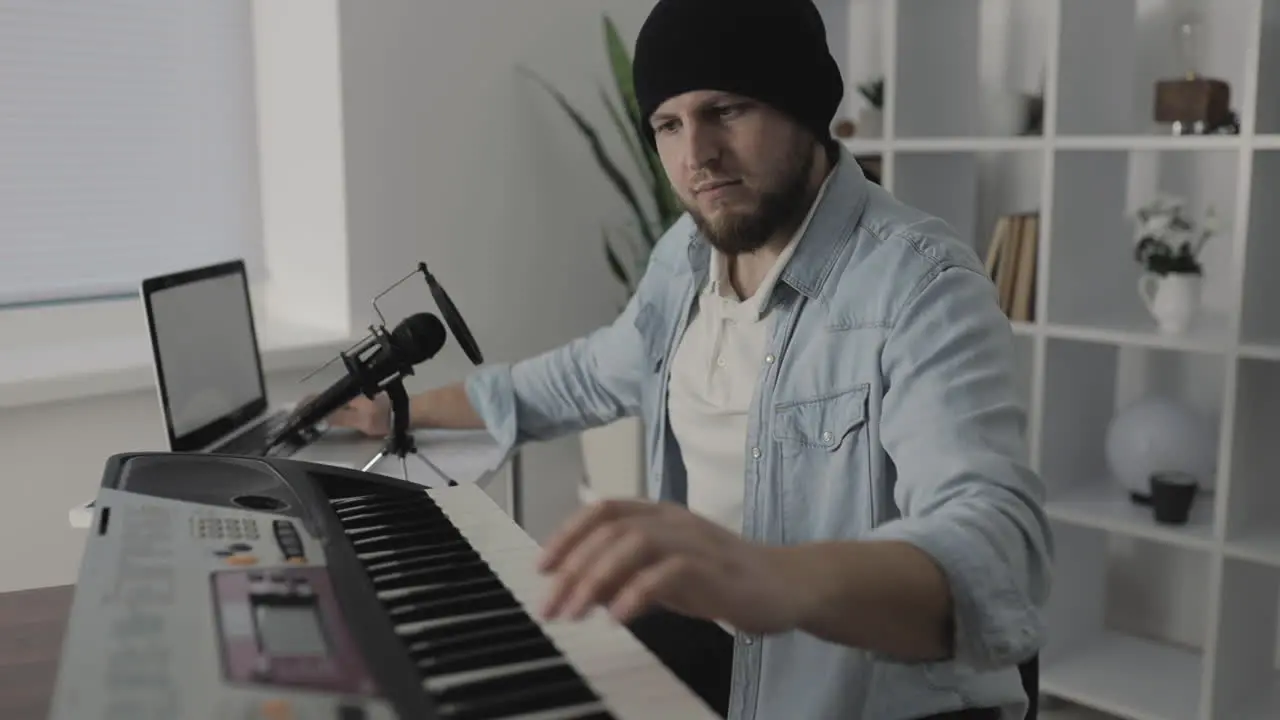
(730, 111)
(664, 127)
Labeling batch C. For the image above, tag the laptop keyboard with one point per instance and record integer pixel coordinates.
(254, 440)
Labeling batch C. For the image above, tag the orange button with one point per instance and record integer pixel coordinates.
(297, 561)
(242, 560)
(276, 709)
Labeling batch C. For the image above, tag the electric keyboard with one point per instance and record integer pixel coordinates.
(242, 588)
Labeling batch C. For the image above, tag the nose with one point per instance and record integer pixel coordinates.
(701, 146)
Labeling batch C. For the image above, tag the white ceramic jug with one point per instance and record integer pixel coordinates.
(1172, 299)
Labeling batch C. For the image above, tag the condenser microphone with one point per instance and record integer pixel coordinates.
(383, 358)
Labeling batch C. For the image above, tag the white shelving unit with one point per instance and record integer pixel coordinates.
(1147, 621)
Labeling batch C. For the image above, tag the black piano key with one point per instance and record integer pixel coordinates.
(392, 517)
(458, 553)
(460, 572)
(591, 714)
(532, 698)
(508, 683)
(462, 628)
(366, 503)
(460, 604)
(399, 540)
(498, 635)
(434, 593)
(492, 656)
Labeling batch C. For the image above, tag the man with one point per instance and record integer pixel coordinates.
(842, 525)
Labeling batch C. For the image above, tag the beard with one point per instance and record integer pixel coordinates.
(780, 207)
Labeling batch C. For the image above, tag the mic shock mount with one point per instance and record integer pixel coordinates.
(400, 442)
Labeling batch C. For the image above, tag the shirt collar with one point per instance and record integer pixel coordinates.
(755, 305)
(832, 222)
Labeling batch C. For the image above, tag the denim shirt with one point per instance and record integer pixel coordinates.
(886, 409)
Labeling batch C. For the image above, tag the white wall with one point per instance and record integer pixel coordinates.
(455, 159)
(448, 157)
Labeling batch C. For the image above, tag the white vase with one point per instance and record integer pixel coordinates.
(613, 460)
(1173, 299)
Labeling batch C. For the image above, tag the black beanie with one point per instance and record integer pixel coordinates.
(773, 51)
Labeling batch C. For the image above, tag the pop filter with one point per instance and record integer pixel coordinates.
(452, 318)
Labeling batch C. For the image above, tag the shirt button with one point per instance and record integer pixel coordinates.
(768, 359)
(749, 640)
(827, 437)
(755, 452)
(720, 362)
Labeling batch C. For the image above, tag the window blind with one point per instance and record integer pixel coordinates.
(127, 143)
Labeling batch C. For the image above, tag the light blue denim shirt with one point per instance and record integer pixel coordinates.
(886, 409)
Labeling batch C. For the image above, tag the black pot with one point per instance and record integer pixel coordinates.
(1172, 495)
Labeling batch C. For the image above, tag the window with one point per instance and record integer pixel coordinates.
(127, 143)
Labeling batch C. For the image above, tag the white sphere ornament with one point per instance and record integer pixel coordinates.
(1159, 434)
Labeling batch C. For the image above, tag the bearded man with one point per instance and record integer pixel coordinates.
(839, 523)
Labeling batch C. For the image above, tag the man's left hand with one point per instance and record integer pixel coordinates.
(631, 556)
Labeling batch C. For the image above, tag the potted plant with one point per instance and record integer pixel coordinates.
(1168, 245)
(613, 455)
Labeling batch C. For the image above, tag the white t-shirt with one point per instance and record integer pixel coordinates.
(713, 379)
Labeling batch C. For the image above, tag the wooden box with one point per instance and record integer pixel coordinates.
(1188, 101)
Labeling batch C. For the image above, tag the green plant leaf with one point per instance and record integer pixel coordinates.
(615, 265)
(620, 64)
(627, 139)
(606, 164)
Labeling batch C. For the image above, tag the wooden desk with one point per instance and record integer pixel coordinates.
(31, 627)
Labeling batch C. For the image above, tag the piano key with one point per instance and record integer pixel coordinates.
(454, 605)
(630, 680)
(488, 655)
(408, 561)
(510, 626)
(455, 573)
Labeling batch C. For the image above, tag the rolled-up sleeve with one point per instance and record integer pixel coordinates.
(954, 429)
(587, 382)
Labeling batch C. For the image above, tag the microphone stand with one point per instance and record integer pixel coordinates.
(400, 443)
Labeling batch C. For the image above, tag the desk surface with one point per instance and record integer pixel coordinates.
(31, 627)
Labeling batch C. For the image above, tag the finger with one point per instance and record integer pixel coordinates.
(613, 568)
(583, 523)
(578, 560)
(657, 584)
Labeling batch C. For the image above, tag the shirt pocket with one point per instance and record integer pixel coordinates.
(828, 423)
(822, 468)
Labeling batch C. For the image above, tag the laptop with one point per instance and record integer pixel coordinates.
(208, 366)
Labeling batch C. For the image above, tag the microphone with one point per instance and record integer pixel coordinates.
(382, 359)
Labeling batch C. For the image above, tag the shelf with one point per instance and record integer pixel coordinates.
(1086, 386)
(1148, 142)
(1267, 114)
(1106, 506)
(1127, 625)
(1094, 279)
(1147, 621)
(970, 190)
(1128, 676)
(1246, 683)
(960, 72)
(1260, 318)
(1253, 512)
(1260, 546)
(1209, 335)
(1113, 52)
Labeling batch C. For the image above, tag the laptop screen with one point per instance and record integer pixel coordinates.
(205, 351)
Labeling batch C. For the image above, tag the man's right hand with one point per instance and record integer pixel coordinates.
(371, 417)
